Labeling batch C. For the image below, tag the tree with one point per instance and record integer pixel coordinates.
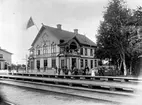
(111, 39)
(134, 29)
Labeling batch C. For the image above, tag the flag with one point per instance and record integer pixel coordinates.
(30, 23)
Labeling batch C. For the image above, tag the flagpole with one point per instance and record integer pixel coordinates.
(36, 26)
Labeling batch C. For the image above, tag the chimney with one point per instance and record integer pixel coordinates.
(59, 26)
(76, 31)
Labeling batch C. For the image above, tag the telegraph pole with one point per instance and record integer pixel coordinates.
(26, 59)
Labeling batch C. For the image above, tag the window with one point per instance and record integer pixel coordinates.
(53, 48)
(95, 63)
(44, 49)
(81, 62)
(62, 63)
(86, 62)
(91, 64)
(91, 52)
(81, 51)
(86, 51)
(38, 52)
(53, 63)
(45, 64)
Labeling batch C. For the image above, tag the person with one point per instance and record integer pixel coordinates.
(69, 72)
(17, 69)
(56, 70)
(66, 70)
(38, 68)
(87, 70)
(59, 70)
(75, 71)
(93, 70)
(9, 69)
(72, 70)
(84, 71)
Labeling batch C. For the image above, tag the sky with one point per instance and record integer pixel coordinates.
(84, 15)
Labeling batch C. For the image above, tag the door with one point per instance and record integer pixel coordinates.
(38, 64)
(45, 64)
(73, 62)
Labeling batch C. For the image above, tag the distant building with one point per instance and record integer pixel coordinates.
(5, 59)
(55, 47)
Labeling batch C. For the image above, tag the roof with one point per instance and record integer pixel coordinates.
(66, 41)
(65, 35)
(5, 51)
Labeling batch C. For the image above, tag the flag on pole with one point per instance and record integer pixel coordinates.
(30, 23)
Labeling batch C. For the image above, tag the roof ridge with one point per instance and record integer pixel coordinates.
(62, 29)
(66, 35)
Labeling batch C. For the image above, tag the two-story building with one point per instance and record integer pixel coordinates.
(55, 47)
(5, 59)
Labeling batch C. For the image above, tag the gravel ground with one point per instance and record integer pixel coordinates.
(25, 96)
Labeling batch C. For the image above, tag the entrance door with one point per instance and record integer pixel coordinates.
(32, 65)
(73, 62)
(38, 64)
(45, 64)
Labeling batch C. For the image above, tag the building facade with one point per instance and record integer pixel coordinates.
(5, 59)
(55, 47)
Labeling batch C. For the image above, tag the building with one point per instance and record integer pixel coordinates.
(55, 47)
(5, 59)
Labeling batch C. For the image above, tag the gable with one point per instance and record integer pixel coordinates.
(44, 37)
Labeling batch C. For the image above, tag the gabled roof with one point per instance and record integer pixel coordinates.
(66, 42)
(65, 35)
(5, 51)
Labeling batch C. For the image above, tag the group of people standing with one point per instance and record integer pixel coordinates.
(73, 71)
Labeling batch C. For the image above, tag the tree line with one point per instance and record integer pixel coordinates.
(119, 36)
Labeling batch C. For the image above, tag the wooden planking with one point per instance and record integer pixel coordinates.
(76, 83)
(84, 77)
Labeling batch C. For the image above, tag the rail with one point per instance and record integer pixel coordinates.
(111, 86)
(83, 77)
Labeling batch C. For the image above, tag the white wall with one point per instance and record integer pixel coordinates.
(6, 56)
(49, 38)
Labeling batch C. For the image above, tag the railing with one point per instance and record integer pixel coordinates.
(75, 84)
(83, 77)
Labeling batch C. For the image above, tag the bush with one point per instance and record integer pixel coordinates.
(107, 71)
